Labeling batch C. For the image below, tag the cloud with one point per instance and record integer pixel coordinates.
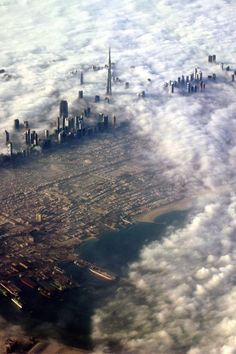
(6, 331)
(181, 296)
(182, 291)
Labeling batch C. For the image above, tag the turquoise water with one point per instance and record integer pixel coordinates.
(68, 318)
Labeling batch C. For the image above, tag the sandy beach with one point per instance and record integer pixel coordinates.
(55, 348)
(182, 204)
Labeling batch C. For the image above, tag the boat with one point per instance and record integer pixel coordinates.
(3, 291)
(81, 263)
(17, 302)
(57, 285)
(28, 282)
(102, 274)
(45, 284)
(10, 288)
(45, 293)
(59, 270)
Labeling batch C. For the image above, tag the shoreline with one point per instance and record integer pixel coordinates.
(178, 205)
(147, 217)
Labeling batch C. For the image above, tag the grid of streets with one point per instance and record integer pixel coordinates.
(77, 192)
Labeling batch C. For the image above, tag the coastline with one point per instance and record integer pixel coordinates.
(55, 348)
(178, 205)
(148, 217)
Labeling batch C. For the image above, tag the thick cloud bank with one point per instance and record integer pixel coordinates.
(182, 293)
(42, 43)
(181, 297)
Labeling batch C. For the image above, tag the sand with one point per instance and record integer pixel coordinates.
(182, 204)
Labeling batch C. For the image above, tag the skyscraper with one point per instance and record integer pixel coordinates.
(81, 78)
(109, 90)
(9, 149)
(7, 137)
(17, 124)
(27, 137)
(63, 111)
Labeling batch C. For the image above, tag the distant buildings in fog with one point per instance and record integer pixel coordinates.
(68, 127)
(188, 84)
(196, 82)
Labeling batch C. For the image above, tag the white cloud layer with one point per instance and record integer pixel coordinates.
(182, 293)
(183, 289)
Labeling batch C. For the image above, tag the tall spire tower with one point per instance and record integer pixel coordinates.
(109, 91)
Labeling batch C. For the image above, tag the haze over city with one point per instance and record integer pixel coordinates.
(179, 294)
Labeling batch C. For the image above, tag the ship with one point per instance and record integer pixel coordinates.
(3, 291)
(81, 263)
(57, 285)
(45, 293)
(28, 282)
(102, 274)
(10, 288)
(17, 302)
(59, 270)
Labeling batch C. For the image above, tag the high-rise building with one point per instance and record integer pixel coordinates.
(9, 149)
(7, 137)
(81, 94)
(36, 139)
(106, 122)
(97, 99)
(63, 110)
(27, 137)
(63, 123)
(76, 122)
(58, 124)
(32, 137)
(46, 134)
(60, 137)
(17, 124)
(188, 87)
(109, 89)
(114, 121)
(81, 78)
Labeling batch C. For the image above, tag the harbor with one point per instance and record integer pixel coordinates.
(70, 311)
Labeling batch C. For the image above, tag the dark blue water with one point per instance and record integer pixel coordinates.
(68, 317)
(115, 250)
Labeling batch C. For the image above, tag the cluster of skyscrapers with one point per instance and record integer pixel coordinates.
(66, 126)
(189, 83)
(195, 81)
